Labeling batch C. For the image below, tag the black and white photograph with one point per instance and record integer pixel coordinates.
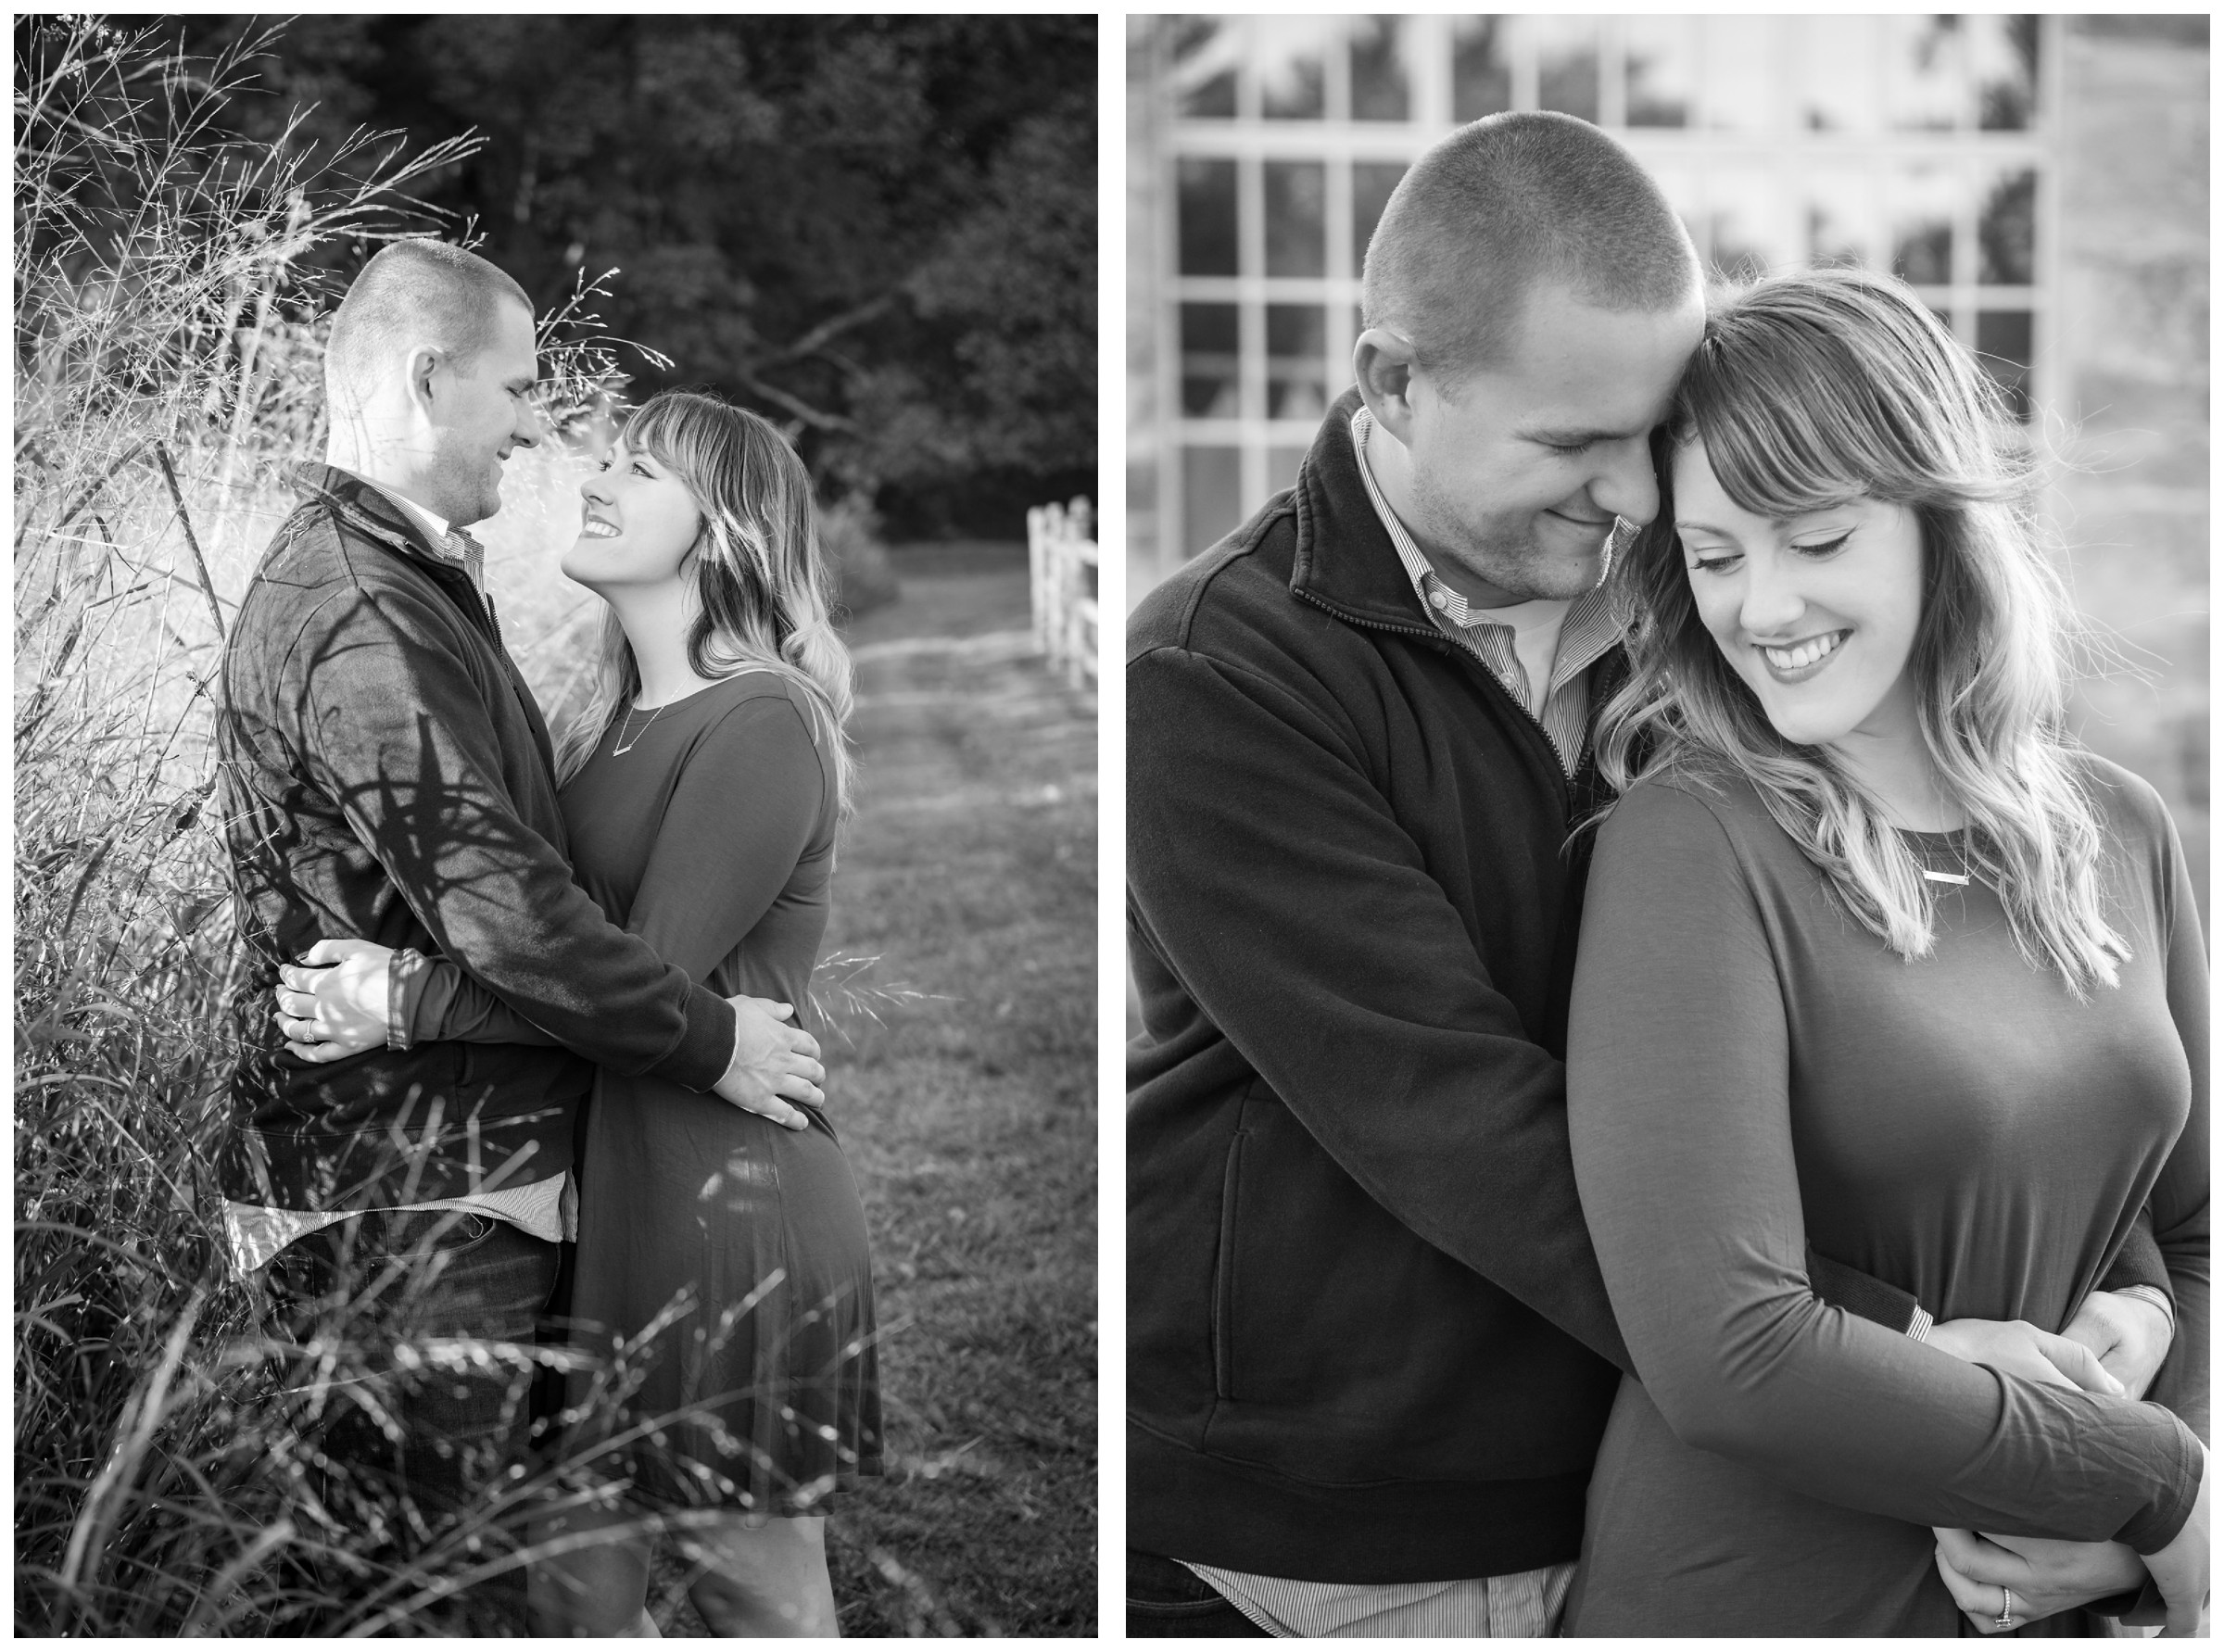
(1666, 857)
(555, 805)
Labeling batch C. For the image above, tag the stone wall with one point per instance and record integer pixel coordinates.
(2131, 507)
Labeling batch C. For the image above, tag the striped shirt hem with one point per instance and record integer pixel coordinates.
(1521, 1604)
(546, 1210)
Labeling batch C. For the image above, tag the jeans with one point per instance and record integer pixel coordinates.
(386, 1278)
(1165, 1599)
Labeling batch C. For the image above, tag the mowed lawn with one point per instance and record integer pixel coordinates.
(968, 1113)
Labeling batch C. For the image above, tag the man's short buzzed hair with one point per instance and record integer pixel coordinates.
(1502, 205)
(413, 292)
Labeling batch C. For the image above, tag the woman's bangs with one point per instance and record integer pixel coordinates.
(1769, 441)
(695, 437)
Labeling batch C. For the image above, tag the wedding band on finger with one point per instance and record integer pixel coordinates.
(2007, 1609)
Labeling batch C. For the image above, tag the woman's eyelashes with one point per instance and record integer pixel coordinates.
(1822, 547)
(1720, 562)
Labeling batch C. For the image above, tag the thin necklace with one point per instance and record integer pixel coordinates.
(623, 744)
(1960, 848)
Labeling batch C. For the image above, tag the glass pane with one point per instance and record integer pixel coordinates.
(1838, 81)
(1282, 467)
(1741, 87)
(1840, 217)
(1378, 71)
(1372, 181)
(1922, 219)
(1660, 58)
(1482, 84)
(1210, 361)
(2004, 346)
(1203, 68)
(1738, 203)
(1924, 58)
(1211, 495)
(2004, 229)
(1297, 360)
(2003, 57)
(1567, 65)
(1297, 201)
(1286, 53)
(1207, 211)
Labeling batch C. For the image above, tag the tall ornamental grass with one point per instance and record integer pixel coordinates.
(169, 314)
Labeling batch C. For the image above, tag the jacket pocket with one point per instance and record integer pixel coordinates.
(1223, 1279)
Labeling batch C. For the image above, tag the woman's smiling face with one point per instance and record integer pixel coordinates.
(638, 523)
(1817, 614)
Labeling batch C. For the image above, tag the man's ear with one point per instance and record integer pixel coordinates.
(421, 366)
(1383, 362)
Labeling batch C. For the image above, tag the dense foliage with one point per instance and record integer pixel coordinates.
(880, 230)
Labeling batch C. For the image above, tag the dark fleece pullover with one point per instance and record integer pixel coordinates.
(1368, 1339)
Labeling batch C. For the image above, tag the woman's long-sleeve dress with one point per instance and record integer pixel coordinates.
(712, 836)
(1749, 1070)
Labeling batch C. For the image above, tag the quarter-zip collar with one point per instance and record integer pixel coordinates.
(1345, 562)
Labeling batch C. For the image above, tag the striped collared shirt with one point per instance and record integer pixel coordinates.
(1522, 1605)
(1588, 629)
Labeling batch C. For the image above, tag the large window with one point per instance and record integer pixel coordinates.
(1914, 144)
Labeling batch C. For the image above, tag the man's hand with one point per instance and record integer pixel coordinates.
(2180, 1568)
(771, 1060)
(2017, 1348)
(333, 1003)
(2045, 1574)
(2129, 1335)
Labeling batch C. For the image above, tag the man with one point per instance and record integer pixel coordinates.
(388, 777)
(1370, 1352)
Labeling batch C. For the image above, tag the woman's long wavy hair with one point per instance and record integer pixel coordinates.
(765, 589)
(1810, 390)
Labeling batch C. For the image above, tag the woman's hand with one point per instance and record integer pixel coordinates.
(333, 1003)
(2017, 1348)
(2180, 1568)
(2045, 1575)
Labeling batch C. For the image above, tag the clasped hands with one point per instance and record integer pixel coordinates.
(333, 1003)
(2114, 1345)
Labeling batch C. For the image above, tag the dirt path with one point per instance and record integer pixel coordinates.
(968, 1113)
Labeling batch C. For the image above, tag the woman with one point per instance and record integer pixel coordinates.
(1872, 958)
(701, 787)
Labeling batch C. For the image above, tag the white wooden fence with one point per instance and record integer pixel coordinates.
(1062, 562)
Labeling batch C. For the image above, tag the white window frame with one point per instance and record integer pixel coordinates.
(1337, 140)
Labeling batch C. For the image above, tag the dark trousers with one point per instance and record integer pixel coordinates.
(410, 1438)
(1167, 1600)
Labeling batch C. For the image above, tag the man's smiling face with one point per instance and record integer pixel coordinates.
(1519, 472)
(482, 409)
